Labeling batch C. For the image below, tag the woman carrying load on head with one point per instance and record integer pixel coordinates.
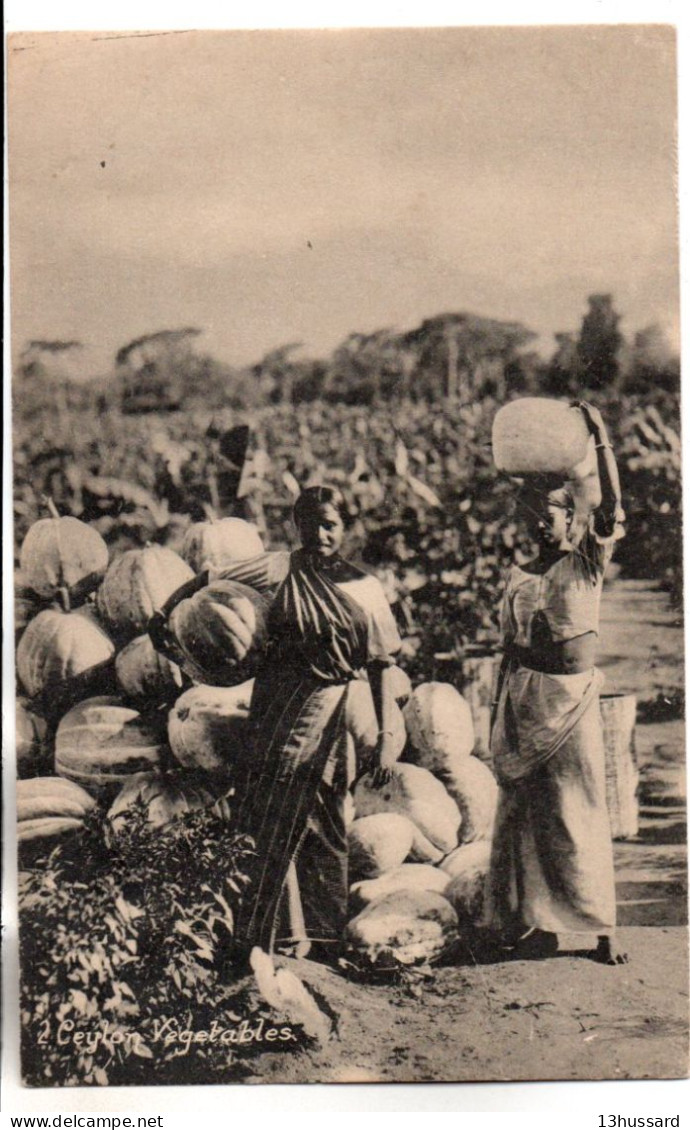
(552, 859)
(327, 624)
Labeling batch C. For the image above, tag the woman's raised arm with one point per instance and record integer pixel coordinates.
(609, 511)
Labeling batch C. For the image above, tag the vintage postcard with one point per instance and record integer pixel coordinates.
(350, 737)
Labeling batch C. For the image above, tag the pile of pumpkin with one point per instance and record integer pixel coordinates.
(104, 719)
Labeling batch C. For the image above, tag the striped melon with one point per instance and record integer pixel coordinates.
(59, 645)
(63, 554)
(165, 796)
(100, 743)
(220, 631)
(48, 809)
(208, 728)
(439, 723)
(221, 542)
(145, 675)
(136, 585)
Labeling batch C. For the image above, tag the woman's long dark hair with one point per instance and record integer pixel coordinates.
(312, 498)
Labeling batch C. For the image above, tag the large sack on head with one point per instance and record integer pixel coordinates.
(474, 789)
(137, 584)
(362, 728)
(208, 728)
(59, 645)
(145, 675)
(537, 435)
(468, 868)
(63, 554)
(417, 794)
(213, 544)
(439, 723)
(101, 742)
(403, 928)
(164, 797)
(221, 632)
(406, 877)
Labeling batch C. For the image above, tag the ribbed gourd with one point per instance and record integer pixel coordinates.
(220, 631)
(164, 796)
(49, 808)
(63, 555)
(100, 743)
(146, 676)
(137, 584)
(220, 542)
(59, 645)
(208, 728)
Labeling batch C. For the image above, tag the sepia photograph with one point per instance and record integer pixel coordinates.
(348, 558)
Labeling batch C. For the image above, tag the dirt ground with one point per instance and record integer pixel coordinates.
(566, 1018)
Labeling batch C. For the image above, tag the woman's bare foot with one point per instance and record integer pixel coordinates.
(536, 945)
(608, 952)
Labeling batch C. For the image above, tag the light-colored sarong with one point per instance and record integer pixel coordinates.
(552, 860)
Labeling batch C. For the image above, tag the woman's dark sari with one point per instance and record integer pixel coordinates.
(293, 801)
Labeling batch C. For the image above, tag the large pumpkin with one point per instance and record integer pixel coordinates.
(165, 797)
(33, 752)
(219, 543)
(417, 794)
(63, 554)
(403, 928)
(468, 868)
(439, 723)
(377, 843)
(474, 789)
(220, 631)
(58, 645)
(100, 743)
(137, 584)
(406, 877)
(26, 605)
(49, 808)
(145, 675)
(208, 728)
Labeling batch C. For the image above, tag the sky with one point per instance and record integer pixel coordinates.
(295, 186)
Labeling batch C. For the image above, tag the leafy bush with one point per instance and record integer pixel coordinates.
(119, 934)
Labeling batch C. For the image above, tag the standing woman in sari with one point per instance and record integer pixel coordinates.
(552, 857)
(329, 623)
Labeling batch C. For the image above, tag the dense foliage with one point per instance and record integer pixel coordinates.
(428, 511)
(119, 934)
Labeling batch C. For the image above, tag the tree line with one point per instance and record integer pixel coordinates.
(458, 355)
